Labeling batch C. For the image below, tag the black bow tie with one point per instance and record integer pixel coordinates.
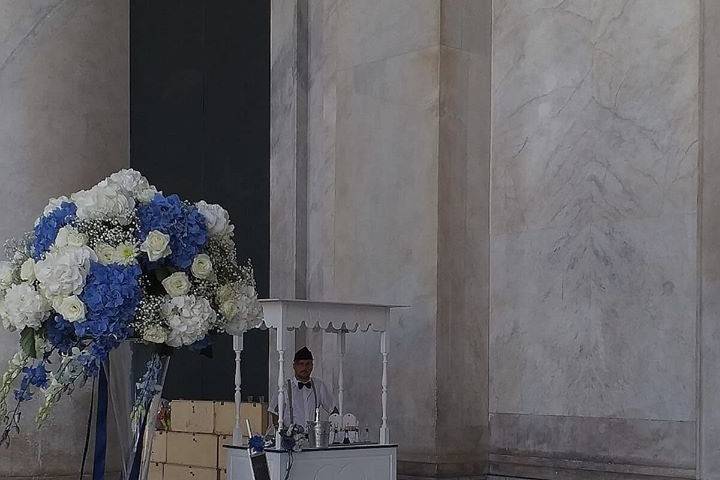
(308, 385)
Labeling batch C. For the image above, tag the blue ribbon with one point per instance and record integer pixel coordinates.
(135, 470)
(101, 428)
(87, 431)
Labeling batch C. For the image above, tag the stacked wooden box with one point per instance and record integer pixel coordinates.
(193, 447)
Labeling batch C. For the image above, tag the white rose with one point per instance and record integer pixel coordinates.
(62, 272)
(125, 253)
(202, 267)
(70, 236)
(23, 306)
(106, 199)
(189, 319)
(176, 284)
(217, 218)
(27, 270)
(155, 334)
(72, 309)
(6, 273)
(156, 245)
(105, 253)
(229, 310)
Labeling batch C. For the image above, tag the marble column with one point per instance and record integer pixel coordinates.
(288, 154)
(463, 242)
(397, 123)
(709, 241)
(63, 126)
(288, 164)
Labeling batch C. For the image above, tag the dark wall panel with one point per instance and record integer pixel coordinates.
(199, 127)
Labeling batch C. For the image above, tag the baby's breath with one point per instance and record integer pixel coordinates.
(110, 232)
(148, 312)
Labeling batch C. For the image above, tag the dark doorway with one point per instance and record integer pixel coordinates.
(200, 127)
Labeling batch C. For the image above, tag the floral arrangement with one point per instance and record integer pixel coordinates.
(291, 438)
(116, 262)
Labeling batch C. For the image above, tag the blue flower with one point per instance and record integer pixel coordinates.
(31, 376)
(111, 294)
(257, 443)
(47, 228)
(60, 333)
(90, 363)
(182, 222)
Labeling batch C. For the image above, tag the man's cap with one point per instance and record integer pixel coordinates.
(303, 354)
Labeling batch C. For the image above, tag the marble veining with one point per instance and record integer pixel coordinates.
(371, 30)
(593, 201)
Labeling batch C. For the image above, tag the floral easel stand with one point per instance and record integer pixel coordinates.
(136, 401)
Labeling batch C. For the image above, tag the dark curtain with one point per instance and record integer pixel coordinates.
(200, 127)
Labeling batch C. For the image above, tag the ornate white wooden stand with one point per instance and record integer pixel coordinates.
(341, 318)
(363, 462)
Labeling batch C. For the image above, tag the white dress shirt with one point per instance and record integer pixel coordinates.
(304, 401)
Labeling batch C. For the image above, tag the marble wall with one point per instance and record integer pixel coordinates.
(536, 178)
(63, 126)
(593, 225)
(593, 230)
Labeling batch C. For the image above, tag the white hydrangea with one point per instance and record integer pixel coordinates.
(134, 183)
(217, 218)
(189, 319)
(6, 274)
(62, 272)
(70, 236)
(239, 307)
(52, 205)
(155, 334)
(23, 306)
(104, 200)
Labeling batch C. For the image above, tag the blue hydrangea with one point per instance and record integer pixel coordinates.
(182, 222)
(31, 376)
(47, 228)
(111, 294)
(60, 333)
